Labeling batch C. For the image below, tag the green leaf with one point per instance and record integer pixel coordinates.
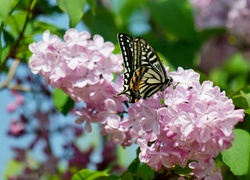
(174, 16)
(237, 157)
(241, 98)
(180, 170)
(246, 96)
(1, 55)
(180, 53)
(103, 23)
(87, 174)
(92, 4)
(13, 167)
(247, 111)
(14, 3)
(208, 33)
(74, 9)
(4, 53)
(219, 77)
(16, 22)
(112, 177)
(39, 28)
(62, 101)
(145, 172)
(138, 169)
(4, 12)
(127, 175)
(237, 65)
(134, 165)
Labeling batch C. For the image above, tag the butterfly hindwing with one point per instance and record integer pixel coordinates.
(144, 72)
(152, 82)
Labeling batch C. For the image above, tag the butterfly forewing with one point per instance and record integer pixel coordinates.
(125, 43)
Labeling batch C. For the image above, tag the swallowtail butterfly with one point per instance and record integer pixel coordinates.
(144, 73)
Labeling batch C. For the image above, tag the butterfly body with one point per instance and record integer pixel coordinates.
(144, 73)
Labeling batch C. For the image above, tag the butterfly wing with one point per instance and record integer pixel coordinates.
(125, 43)
(144, 72)
(126, 46)
(153, 78)
(151, 82)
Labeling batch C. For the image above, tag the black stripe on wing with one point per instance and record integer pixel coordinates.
(151, 82)
(148, 56)
(126, 46)
(125, 43)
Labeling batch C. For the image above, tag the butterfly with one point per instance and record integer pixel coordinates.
(144, 73)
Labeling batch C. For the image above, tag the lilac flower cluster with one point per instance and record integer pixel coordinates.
(79, 66)
(224, 13)
(193, 123)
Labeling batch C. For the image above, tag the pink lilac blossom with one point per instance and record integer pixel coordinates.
(17, 128)
(234, 15)
(215, 52)
(14, 105)
(204, 169)
(81, 67)
(229, 14)
(238, 21)
(193, 123)
(77, 62)
(212, 13)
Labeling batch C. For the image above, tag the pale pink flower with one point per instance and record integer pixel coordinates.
(104, 48)
(204, 169)
(19, 101)
(117, 135)
(149, 120)
(75, 39)
(11, 107)
(16, 128)
(109, 115)
(85, 117)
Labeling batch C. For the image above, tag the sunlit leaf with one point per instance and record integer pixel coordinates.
(74, 9)
(246, 96)
(241, 97)
(4, 53)
(247, 111)
(237, 64)
(16, 22)
(4, 12)
(62, 101)
(14, 3)
(92, 4)
(86, 174)
(237, 157)
(134, 165)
